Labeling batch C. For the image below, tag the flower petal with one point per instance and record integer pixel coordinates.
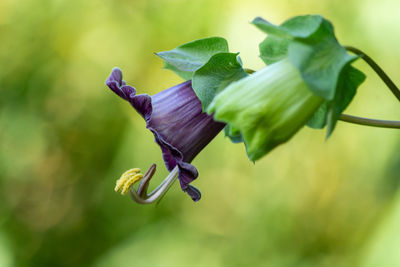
(176, 119)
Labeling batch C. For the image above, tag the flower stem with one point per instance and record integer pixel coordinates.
(370, 122)
(385, 78)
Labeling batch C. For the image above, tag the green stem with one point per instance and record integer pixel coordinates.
(370, 122)
(385, 78)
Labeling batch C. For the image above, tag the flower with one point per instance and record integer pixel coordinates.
(267, 107)
(179, 126)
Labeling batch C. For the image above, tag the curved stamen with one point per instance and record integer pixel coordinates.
(127, 179)
(159, 191)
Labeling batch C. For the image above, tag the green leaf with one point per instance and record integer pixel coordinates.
(187, 58)
(214, 76)
(350, 79)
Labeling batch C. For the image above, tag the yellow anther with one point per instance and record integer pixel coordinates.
(127, 179)
(120, 183)
(130, 182)
(131, 171)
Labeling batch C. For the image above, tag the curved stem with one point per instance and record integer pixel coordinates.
(385, 78)
(370, 122)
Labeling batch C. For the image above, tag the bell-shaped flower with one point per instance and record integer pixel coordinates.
(180, 128)
(267, 107)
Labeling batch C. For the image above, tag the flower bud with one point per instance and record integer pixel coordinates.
(268, 107)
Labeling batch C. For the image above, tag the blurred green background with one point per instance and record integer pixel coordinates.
(65, 138)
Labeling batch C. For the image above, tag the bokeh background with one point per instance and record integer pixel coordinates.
(65, 138)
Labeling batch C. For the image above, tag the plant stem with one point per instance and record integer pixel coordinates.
(385, 78)
(370, 122)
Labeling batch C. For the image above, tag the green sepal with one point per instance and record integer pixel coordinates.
(275, 46)
(320, 60)
(273, 49)
(214, 76)
(350, 79)
(186, 75)
(318, 120)
(329, 112)
(297, 27)
(187, 58)
(233, 133)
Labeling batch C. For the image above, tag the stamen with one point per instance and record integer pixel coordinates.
(127, 179)
(130, 177)
(131, 181)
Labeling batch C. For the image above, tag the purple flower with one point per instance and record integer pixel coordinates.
(179, 126)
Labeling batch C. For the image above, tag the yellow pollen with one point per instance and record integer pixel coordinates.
(128, 179)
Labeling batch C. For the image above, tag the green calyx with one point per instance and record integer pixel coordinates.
(310, 44)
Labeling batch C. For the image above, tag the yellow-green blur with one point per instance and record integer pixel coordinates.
(65, 138)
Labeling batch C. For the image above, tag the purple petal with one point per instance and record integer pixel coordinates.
(193, 192)
(114, 82)
(142, 103)
(180, 127)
